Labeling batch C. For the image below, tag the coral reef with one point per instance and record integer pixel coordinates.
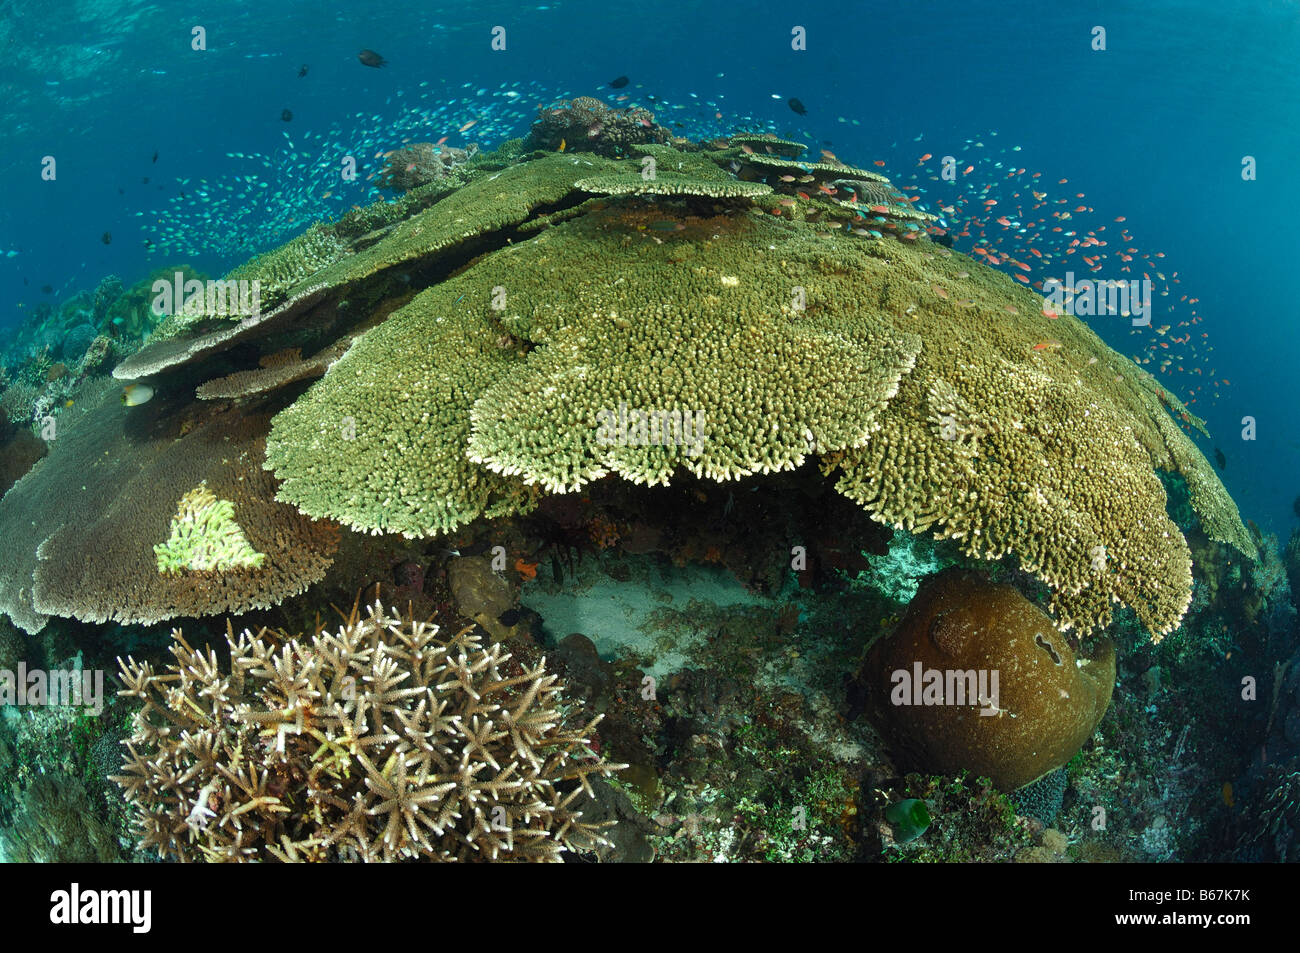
(421, 163)
(584, 124)
(54, 824)
(273, 371)
(81, 527)
(671, 186)
(76, 342)
(1291, 561)
(689, 406)
(205, 537)
(19, 451)
(379, 741)
(716, 319)
(463, 224)
(282, 268)
(132, 316)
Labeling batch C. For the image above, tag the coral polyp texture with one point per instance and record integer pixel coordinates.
(205, 537)
(917, 376)
(380, 741)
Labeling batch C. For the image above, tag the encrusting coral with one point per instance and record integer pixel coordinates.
(378, 742)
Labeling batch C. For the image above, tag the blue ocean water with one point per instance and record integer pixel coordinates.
(179, 154)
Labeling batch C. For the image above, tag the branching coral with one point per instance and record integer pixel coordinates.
(205, 537)
(379, 742)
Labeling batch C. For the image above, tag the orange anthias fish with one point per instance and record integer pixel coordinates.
(526, 569)
(468, 126)
(1047, 345)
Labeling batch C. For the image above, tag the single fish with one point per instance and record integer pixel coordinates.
(618, 83)
(286, 115)
(797, 106)
(133, 395)
(371, 58)
(302, 70)
(107, 238)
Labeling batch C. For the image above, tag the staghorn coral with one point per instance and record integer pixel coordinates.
(379, 742)
(81, 527)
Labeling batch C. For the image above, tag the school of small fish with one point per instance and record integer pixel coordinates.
(1024, 222)
(1036, 228)
(268, 198)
